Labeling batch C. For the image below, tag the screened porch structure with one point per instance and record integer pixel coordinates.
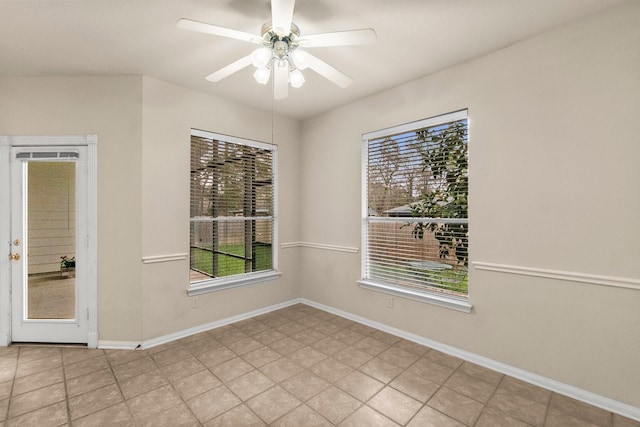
(231, 209)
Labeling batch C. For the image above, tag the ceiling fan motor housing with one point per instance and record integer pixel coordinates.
(280, 44)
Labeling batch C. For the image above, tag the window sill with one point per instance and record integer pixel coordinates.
(213, 285)
(430, 298)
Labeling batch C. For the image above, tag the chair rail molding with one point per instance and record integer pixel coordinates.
(153, 259)
(348, 249)
(592, 279)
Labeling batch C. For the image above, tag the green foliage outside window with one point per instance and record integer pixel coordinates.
(444, 153)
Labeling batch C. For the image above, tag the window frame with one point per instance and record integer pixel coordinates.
(427, 296)
(244, 279)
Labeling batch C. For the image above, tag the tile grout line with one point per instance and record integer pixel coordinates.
(66, 393)
(275, 383)
(547, 408)
(174, 390)
(119, 388)
(279, 383)
(440, 387)
(425, 404)
(13, 384)
(222, 383)
(484, 406)
(182, 400)
(15, 379)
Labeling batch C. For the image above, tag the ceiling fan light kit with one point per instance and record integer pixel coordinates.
(296, 78)
(277, 49)
(262, 75)
(280, 53)
(261, 57)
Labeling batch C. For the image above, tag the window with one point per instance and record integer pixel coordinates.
(415, 204)
(233, 220)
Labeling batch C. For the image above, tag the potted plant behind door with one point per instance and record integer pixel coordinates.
(67, 266)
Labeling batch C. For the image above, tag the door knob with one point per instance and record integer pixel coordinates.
(14, 256)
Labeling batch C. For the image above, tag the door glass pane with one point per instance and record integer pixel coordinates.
(51, 240)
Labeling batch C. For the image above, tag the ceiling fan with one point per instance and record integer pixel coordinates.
(283, 50)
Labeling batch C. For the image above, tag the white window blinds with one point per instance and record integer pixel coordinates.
(232, 207)
(416, 223)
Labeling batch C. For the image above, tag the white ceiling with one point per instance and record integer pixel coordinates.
(415, 38)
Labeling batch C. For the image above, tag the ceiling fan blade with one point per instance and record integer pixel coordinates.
(280, 79)
(229, 69)
(340, 38)
(281, 16)
(201, 27)
(328, 72)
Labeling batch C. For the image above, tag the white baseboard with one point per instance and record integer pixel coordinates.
(92, 340)
(218, 323)
(597, 400)
(5, 339)
(118, 345)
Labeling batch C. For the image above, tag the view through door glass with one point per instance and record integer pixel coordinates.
(51, 240)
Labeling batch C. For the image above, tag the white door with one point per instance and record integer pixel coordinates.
(49, 239)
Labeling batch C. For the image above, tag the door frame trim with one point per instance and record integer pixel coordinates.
(91, 142)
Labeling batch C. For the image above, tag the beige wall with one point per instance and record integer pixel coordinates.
(169, 113)
(112, 108)
(143, 127)
(554, 185)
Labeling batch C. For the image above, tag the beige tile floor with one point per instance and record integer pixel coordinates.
(298, 366)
